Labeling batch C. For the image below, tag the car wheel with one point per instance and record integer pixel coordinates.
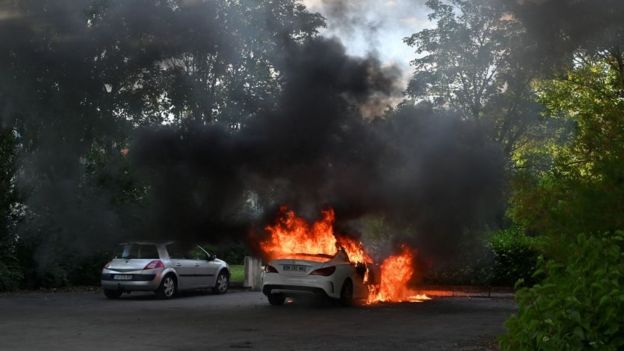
(168, 287)
(222, 284)
(112, 294)
(346, 294)
(276, 299)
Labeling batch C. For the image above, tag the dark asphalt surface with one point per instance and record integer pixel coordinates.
(243, 320)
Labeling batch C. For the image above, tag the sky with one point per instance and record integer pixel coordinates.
(374, 26)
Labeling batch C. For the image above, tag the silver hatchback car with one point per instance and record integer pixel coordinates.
(165, 268)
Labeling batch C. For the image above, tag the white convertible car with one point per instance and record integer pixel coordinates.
(332, 276)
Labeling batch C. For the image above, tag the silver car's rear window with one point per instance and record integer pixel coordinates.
(141, 251)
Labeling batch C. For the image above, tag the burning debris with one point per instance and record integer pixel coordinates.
(292, 237)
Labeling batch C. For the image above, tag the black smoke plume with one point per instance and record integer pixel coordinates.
(560, 28)
(69, 68)
(433, 174)
(65, 68)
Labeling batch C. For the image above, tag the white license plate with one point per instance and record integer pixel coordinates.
(294, 268)
(122, 277)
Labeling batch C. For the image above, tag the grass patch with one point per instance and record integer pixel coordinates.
(237, 273)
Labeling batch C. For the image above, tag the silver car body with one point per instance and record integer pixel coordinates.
(131, 275)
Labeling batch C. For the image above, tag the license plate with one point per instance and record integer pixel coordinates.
(294, 268)
(122, 277)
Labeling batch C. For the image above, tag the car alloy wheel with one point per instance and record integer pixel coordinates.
(223, 282)
(167, 287)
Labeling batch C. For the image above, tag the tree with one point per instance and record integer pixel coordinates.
(581, 192)
(10, 273)
(470, 63)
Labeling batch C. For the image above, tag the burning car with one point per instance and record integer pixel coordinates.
(309, 258)
(164, 268)
(323, 275)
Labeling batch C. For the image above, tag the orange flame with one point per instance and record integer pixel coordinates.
(396, 272)
(292, 237)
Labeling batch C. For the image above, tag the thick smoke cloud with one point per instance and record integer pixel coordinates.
(433, 174)
(62, 76)
(561, 27)
(290, 155)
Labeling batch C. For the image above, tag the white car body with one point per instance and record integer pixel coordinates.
(294, 276)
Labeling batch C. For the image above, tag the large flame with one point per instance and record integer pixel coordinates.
(396, 272)
(293, 237)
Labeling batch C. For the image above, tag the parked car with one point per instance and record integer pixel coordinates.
(328, 276)
(165, 268)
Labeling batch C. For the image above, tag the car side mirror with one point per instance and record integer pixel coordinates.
(211, 257)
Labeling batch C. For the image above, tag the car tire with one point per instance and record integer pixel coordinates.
(346, 293)
(112, 294)
(276, 299)
(168, 287)
(222, 283)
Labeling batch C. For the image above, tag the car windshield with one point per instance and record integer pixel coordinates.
(139, 251)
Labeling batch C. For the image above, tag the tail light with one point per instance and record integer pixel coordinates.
(327, 271)
(155, 264)
(270, 269)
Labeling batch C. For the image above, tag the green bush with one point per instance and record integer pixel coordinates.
(85, 271)
(505, 258)
(580, 303)
(466, 268)
(10, 274)
(514, 257)
(233, 253)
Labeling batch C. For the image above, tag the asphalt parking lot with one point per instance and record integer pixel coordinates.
(243, 320)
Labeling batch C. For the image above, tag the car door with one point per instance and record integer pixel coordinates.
(206, 268)
(183, 265)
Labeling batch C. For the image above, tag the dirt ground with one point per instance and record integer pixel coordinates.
(243, 320)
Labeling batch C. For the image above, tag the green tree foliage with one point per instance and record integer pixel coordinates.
(515, 256)
(582, 190)
(578, 305)
(471, 62)
(10, 270)
(8, 164)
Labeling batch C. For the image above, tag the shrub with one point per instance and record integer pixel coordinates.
(580, 303)
(84, 271)
(10, 274)
(514, 257)
(466, 268)
(232, 252)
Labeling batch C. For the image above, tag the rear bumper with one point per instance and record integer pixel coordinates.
(292, 285)
(292, 289)
(139, 282)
